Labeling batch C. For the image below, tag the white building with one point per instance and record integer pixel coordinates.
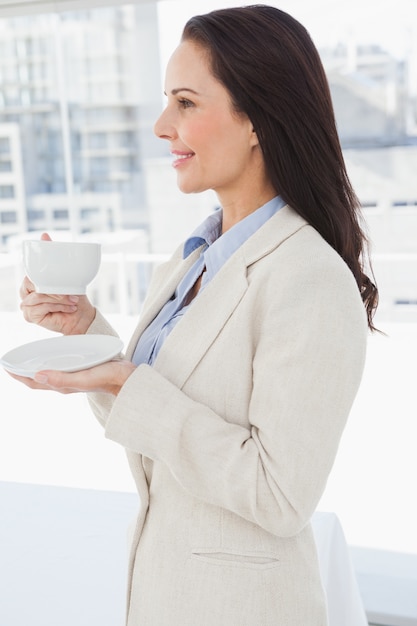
(13, 217)
(81, 213)
(82, 89)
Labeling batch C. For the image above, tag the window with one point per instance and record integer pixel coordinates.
(404, 203)
(8, 217)
(5, 166)
(406, 302)
(7, 191)
(123, 139)
(99, 167)
(4, 145)
(60, 214)
(123, 164)
(98, 140)
(89, 212)
(36, 214)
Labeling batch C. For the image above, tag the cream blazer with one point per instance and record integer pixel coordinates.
(231, 435)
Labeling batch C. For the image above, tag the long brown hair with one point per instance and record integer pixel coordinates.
(273, 72)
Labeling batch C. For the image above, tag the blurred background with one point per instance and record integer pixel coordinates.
(81, 89)
(81, 84)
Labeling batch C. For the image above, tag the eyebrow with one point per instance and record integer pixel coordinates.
(175, 91)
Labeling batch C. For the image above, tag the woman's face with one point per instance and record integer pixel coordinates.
(212, 145)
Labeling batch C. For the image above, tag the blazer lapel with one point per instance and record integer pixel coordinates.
(162, 289)
(198, 328)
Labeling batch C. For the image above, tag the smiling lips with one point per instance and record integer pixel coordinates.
(181, 157)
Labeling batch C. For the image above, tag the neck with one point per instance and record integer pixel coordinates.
(236, 210)
(251, 191)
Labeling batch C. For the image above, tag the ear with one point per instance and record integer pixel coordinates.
(253, 138)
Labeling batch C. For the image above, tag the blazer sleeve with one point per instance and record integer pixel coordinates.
(307, 366)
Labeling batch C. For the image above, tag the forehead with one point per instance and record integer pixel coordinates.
(189, 66)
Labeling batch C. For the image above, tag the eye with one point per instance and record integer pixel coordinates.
(184, 103)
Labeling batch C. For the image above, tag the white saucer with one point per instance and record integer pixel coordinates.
(69, 353)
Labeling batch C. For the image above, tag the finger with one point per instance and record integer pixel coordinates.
(35, 312)
(63, 382)
(35, 299)
(42, 308)
(36, 305)
(29, 382)
(43, 382)
(26, 287)
(107, 377)
(45, 237)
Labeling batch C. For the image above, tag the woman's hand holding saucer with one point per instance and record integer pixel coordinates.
(108, 377)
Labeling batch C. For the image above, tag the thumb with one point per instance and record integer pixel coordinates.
(45, 237)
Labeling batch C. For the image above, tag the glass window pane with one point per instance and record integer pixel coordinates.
(8, 217)
(7, 191)
(4, 145)
(5, 166)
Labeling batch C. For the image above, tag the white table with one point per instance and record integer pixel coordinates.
(63, 558)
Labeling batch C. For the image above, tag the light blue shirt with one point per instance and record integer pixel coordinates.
(215, 251)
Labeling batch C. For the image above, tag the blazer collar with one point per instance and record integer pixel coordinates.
(272, 234)
(196, 331)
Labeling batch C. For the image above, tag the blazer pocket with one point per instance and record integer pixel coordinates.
(232, 558)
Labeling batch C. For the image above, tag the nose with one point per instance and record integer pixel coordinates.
(163, 127)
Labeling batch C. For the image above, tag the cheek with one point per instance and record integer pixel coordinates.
(200, 134)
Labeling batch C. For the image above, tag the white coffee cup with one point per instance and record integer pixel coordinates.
(61, 267)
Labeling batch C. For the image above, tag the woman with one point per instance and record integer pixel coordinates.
(240, 376)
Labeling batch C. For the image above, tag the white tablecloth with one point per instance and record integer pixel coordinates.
(344, 603)
(63, 558)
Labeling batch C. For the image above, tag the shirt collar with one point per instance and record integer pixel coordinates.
(205, 234)
(220, 247)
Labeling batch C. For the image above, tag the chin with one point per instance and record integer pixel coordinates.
(188, 188)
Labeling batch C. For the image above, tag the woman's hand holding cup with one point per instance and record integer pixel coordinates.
(66, 313)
